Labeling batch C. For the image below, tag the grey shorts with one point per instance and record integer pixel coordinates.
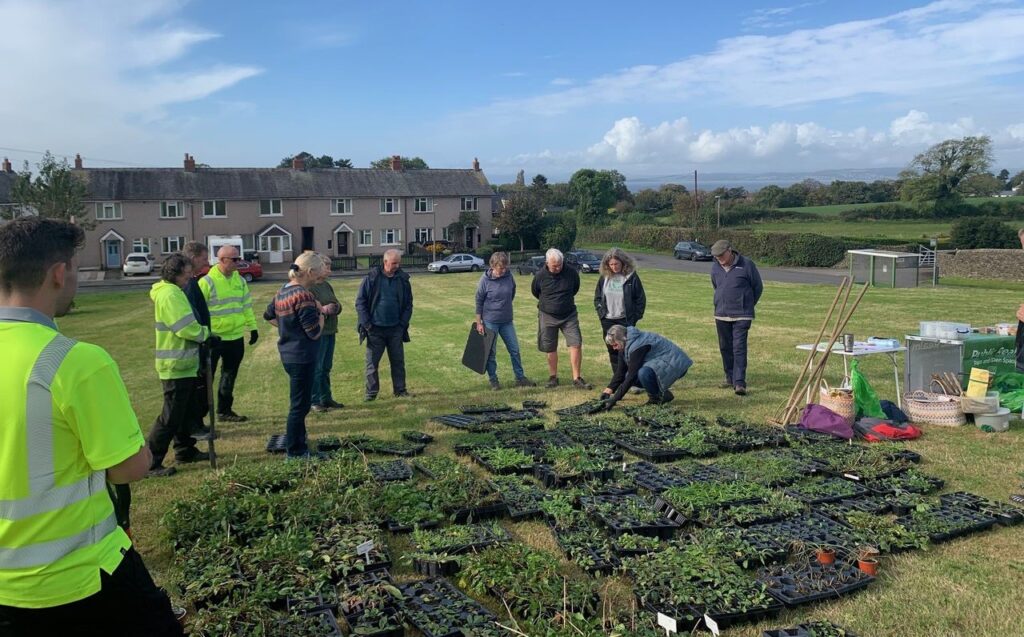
(549, 326)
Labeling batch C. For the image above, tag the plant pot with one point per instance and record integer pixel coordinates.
(826, 556)
(868, 566)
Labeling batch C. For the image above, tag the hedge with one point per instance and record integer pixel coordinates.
(1012, 208)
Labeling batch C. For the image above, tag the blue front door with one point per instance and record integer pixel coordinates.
(113, 251)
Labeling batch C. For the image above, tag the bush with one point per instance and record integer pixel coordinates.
(986, 232)
(743, 215)
(644, 236)
(561, 236)
(886, 211)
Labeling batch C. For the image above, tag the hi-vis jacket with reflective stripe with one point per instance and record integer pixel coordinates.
(178, 333)
(65, 418)
(230, 304)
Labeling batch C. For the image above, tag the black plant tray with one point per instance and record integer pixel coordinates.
(969, 522)
(724, 618)
(483, 409)
(394, 527)
(476, 514)
(653, 478)
(807, 434)
(397, 631)
(417, 436)
(624, 552)
(504, 471)
(391, 471)
(1003, 514)
(809, 529)
(275, 444)
(858, 490)
(664, 528)
(459, 421)
(653, 452)
(582, 409)
(307, 605)
(506, 416)
(534, 404)
(430, 596)
(404, 453)
(328, 444)
(934, 484)
(908, 455)
(349, 589)
(435, 568)
(551, 480)
(804, 630)
(427, 472)
(783, 586)
(602, 561)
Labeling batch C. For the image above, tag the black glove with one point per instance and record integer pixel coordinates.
(254, 336)
(608, 404)
(603, 396)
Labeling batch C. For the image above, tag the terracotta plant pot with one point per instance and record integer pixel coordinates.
(826, 556)
(868, 566)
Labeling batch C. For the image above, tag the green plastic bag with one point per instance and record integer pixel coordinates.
(1010, 386)
(864, 397)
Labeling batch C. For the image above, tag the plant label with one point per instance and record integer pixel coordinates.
(623, 466)
(850, 476)
(711, 624)
(364, 548)
(668, 623)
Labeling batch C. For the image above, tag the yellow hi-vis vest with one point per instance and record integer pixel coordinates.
(65, 418)
(230, 304)
(178, 333)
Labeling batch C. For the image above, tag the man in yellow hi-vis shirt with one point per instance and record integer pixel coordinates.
(66, 428)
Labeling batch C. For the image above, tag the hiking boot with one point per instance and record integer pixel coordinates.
(579, 383)
(525, 382)
(726, 384)
(333, 404)
(495, 385)
(741, 390)
(231, 417)
(653, 400)
(369, 398)
(320, 409)
(160, 471)
(552, 382)
(193, 455)
(403, 394)
(667, 397)
(202, 433)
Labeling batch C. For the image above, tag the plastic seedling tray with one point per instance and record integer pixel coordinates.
(438, 609)
(806, 630)
(275, 444)
(399, 451)
(503, 471)
(483, 409)
(963, 522)
(887, 486)
(551, 480)
(394, 527)
(328, 444)
(506, 416)
(459, 421)
(850, 490)
(1004, 515)
(306, 605)
(534, 404)
(618, 522)
(597, 560)
(650, 449)
(476, 514)
(391, 471)
(813, 583)
(582, 409)
(652, 478)
(417, 436)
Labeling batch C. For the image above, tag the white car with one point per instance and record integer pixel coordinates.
(137, 263)
(457, 263)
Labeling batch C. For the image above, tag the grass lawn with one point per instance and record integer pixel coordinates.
(965, 587)
(909, 231)
(834, 210)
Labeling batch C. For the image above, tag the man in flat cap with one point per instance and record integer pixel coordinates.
(738, 288)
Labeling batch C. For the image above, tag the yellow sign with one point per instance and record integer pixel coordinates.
(978, 384)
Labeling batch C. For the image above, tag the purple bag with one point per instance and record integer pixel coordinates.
(824, 420)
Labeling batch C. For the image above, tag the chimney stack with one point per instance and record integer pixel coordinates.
(396, 163)
(6, 166)
(476, 164)
(78, 161)
(298, 162)
(190, 163)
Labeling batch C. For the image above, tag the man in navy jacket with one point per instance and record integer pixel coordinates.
(738, 288)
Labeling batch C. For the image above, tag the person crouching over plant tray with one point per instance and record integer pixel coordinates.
(646, 360)
(299, 324)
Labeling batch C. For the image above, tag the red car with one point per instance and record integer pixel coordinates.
(248, 270)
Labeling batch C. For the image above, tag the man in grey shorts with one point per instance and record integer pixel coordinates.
(555, 287)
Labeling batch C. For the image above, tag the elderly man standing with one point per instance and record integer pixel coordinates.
(384, 309)
(738, 288)
(230, 303)
(555, 287)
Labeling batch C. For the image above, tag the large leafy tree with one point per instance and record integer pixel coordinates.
(935, 177)
(408, 163)
(457, 228)
(592, 192)
(520, 216)
(55, 192)
(323, 161)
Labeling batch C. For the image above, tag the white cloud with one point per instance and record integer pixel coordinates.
(562, 81)
(99, 77)
(775, 17)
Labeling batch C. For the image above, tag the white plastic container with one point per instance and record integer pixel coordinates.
(999, 421)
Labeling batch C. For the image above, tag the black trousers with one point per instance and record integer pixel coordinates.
(732, 344)
(613, 356)
(128, 605)
(377, 341)
(200, 404)
(173, 421)
(232, 352)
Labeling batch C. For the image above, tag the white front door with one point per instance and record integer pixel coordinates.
(276, 253)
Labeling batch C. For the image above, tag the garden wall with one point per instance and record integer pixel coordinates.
(1005, 265)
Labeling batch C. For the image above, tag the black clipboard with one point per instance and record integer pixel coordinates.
(478, 347)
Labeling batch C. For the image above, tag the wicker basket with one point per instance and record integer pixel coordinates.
(933, 408)
(838, 400)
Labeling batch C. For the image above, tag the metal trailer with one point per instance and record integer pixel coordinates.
(885, 269)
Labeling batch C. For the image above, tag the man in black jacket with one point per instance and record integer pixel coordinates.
(555, 287)
(199, 255)
(738, 288)
(384, 309)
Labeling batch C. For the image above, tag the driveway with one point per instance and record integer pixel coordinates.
(820, 276)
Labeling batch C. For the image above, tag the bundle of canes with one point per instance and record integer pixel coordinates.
(812, 372)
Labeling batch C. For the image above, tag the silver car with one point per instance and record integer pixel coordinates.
(457, 263)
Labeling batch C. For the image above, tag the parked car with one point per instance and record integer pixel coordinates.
(530, 266)
(691, 250)
(457, 263)
(137, 263)
(248, 270)
(583, 261)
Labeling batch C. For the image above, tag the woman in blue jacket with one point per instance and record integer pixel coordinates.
(494, 296)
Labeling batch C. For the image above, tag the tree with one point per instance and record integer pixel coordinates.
(408, 163)
(769, 196)
(521, 178)
(520, 216)
(56, 191)
(934, 177)
(619, 185)
(561, 235)
(343, 163)
(539, 188)
(467, 219)
(981, 185)
(323, 161)
(1004, 177)
(985, 232)
(592, 192)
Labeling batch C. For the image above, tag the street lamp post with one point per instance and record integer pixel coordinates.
(718, 211)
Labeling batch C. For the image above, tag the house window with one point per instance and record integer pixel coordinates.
(366, 237)
(468, 204)
(341, 207)
(270, 207)
(391, 236)
(446, 234)
(275, 243)
(108, 211)
(248, 242)
(424, 204)
(424, 235)
(171, 244)
(388, 206)
(140, 245)
(215, 208)
(171, 210)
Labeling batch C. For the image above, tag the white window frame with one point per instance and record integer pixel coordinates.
(394, 240)
(393, 203)
(286, 242)
(141, 244)
(167, 206)
(165, 244)
(467, 202)
(428, 204)
(446, 234)
(271, 205)
(215, 203)
(248, 242)
(341, 208)
(109, 211)
(424, 235)
(363, 236)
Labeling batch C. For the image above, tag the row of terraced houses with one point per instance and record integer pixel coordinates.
(279, 212)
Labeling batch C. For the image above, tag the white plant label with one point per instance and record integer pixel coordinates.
(711, 624)
(668, 623)
(364, 548)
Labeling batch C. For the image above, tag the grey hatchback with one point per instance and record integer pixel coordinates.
(691, 250)
(530, 266)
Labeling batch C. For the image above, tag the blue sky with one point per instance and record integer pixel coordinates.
(657, 88)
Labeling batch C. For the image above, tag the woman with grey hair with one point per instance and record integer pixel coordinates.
(619, 297)
(494, 296)
(646, 360)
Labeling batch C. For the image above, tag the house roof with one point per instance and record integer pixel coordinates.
(154, 184)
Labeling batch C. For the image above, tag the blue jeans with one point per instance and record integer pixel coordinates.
(507, 332)
(322, 374)
(648, 379)
(732, 343)
(300, 376)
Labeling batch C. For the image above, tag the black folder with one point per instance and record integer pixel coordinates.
(477, 348)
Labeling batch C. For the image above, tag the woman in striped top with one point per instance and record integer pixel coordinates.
(299, 320)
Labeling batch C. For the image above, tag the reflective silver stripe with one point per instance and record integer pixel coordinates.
(213, 289)
(227, 301)
(162, 327)
(49, 552)
(184, 322)
(177, 354)
(54, 499)
(226, 311)
(39, 414)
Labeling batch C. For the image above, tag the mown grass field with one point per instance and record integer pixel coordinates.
(834, 210)
(909, 231)
(966, 587)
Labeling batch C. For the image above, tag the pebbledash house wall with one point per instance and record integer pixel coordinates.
(141, 218)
